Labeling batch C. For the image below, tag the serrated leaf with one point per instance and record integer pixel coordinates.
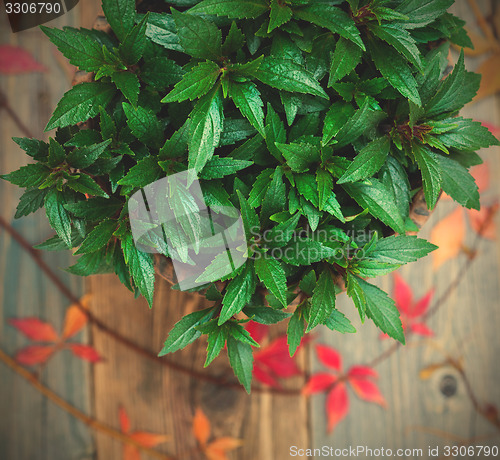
(275, 131)
(59, 218)
(422, 12)
(86, 185)
(346, 57)
(335, 119)
(94, 209)
(280, 14)
(219, 167)
(287, 75)
(82, 158)
(295, 331)
(238, 293)
(81, 103)
(247, 98)
(98, 237)
(198, 37)
(132, 48)
(144, 124)
(196, 83)
(184, 332)
(275, 196)
(368, 161)
(241, 360)
(265, 315)
(120, 15)
(272, 275)
(401, 249)
(427, 161)
(161, 30)
(322, 300)
(299, 156)
(216, 341)
(338, 322)
(467, 135)
(128, 84)
(235, 9)
(143, 173)
(31, 200)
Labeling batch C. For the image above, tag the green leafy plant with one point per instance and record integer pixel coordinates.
(318, 120)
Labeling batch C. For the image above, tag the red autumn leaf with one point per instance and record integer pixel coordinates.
(257, 331)
(201, 427)
(421, 329)
(35, 329)
(337, 405)
(124, 420)
(75, 320)
(262, 375)
(218, 448)
(34, 354)
(367, 390)
(276, 358)
(483, 222)
(329, 357)
(448, 235)
(318, 383)
(402, 294)
(362, 372)
(149, 439)
(15, 60)
(85, 352)
(481, 175)
(131, 453)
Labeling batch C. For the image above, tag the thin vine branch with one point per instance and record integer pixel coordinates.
(87, 420)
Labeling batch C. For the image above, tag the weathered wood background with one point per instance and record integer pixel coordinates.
(162, 400)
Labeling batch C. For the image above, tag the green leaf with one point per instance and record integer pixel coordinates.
(161, 72)
(282, 233)
(332, 18)
(272, 275)
(369, 161)
(275, 131)
(458, 183)
(206, 128)
(57, 244)
(238, 293)
(338, 322)
(356, 293)
(81, 103)
(265, 315)
(236, 9)
(299, 156)
(335, 119)
(325, 187)
(84, 157)
(395, 69)
(401, 249)
(346, 58)
(196, 83)
(249, 216)
(143, 173)
(306, 252)
(259, 188)
(99, 237)
(216, 341)
(218, 167)
(287, 75)
(132, 48)
(275, 197)
(59, 218)
(57, 154)
(198, 37)
(141, 268)
(308, 283)
(94, 209)
(467, 135)
(381, 309)
(280, 14)
(428, 163)
(394, 177)
(85, 184)
(90, 264)
(234, 40)
(422, 12)
(31, 200)
(295, 331)
(381, 204)
(184, 332)
(241, 360)
(35, 148)
(144, 124)
(128, 84)
(78, 47)
(177, 145)
(322, 300)
(161, 30)
(401, 40)
(120, 15)
(247, 98)
(458, 89)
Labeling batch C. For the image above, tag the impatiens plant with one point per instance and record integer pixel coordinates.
(318, 120)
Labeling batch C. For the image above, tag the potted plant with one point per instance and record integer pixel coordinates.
(319, 121)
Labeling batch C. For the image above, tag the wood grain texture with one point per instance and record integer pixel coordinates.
(418, 414)
(30, 426)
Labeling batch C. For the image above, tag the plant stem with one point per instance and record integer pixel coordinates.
(4, 104)
(89, 421)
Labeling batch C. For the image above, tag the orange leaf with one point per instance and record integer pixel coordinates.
(481, 44)
(483, 222)
(217, 449)
(130, 452)
(337, 405)
(367, 390)
(149, 439)
(35, 329)
(34, 354)
(490, 82)
(448, 235)
(124, 420)
(85, 352)
(75, 318)
(201, 427)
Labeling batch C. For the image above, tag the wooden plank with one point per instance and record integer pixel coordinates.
(31, 427)
(465, 326)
